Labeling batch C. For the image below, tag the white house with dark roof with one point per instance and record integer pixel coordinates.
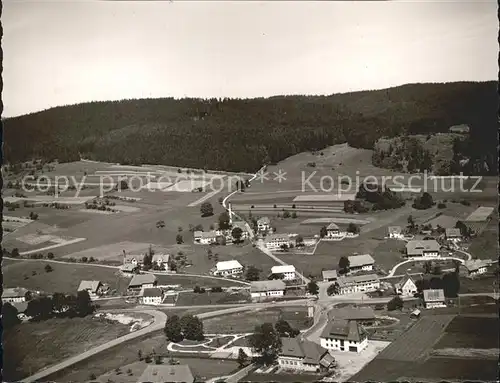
(263, 224)
(15, 295)
(395, 232)
(302, 355)
(129, 268)
(164, 373)
(205, 237)
(334, 232)
(476, 267)
(344, 335)
(266, 289)
(329, 275)
(275, 241)
(434, 298)
(161, 261)
(228, 268)
(287, 272)
(362, 262)
(423, 248)
(358, 283)
(406, 286)
(453, 234)
(362, 315)
(94, 288)
(151, 296)
(133, 259)
(142, 281)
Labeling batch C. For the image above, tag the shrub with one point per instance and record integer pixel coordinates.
(441, 205)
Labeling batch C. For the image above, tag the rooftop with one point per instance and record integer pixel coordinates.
(161, 257)
(404, 280)
(166, 373)
(14, 292)
(480, 214)
(242, 225)
(394, 229)
(344, 329)
(283, 269)
(329, 274)
(418, 247)
(360, 260)
(452, 232)
(152, 292)
(263, 221)
(142, 279)
(263, 286)
(92, 286)
(228, 265)
(312, 353)
(350, 280)
(434, 295)
(332, 226)
(353, 313)
(205, 234)
(277, 237)
(476, 264)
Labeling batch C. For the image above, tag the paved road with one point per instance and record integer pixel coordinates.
(422, 259)
(158, 324)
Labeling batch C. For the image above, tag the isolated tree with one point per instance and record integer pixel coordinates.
(299, 241)
(427, 267)
(285, 330)
(206, 209)
(173, 329)
(224, 221)
(286, 214)
(139, 355)
(436, 270)
(352, 228)
(395, 303)
(48, 268)
(294, 215)
(147, 261)
(123, 185)
(50, 255)
(83, 304)
(252, 273)
(411, 222)
(59, 302)
(451, 284)
(9, 315)
(221, 200)
(178, 239)
(236, 233)
(15, 252)
(344, 265)
(242, 358)
(312, 288)
(192, 327)
(323, 232)
(333, 289)
(266, 341)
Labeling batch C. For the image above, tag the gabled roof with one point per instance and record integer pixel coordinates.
(138, 257)
(161, 257)
(228, 265)
(92, 286)
(452, 232)
(436, 295)
(205, 234)
(475, 264)
(14, 292)
(151, 292)
(360, 260)
(344, 329)
(128, 267)
(310, 352)
(277, 237)
(332, 226)
(142, 279)
(353, 313)
(418, 247)
(166, 374)
(242, 225)
(264, 286)
(329, 274)
(480, 214)
(404, 280)
(351, 280)
(394, 229)
(283, 269)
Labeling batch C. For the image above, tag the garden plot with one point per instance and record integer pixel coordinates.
(112, 251)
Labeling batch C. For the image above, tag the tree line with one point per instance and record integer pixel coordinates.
(243, 134)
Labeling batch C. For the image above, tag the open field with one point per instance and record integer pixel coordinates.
(470, 332)
(485, 246)
(31, 346)
(208, 298)
(111, 252)
(65, 278)
(246, 322)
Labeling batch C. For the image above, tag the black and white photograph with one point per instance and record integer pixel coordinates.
(250, 191)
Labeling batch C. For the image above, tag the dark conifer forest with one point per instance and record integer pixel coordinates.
(242, 134)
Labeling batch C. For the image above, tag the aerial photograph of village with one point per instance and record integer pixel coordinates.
(250, 191)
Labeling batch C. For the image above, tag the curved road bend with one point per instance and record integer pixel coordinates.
(393, 270)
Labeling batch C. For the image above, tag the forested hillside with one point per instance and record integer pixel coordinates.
(236, 134)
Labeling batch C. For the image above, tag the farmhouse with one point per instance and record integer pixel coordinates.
(303, 356)
(329, 275)
(362, 262)
(275, 241)
(434, 298)
(453, 234)
(151, 296)
(395, 232)
(285, 272)
(161, 261)
(205, 238)
(476, 267)
(94, 288)
(423, 248)
(362, 315)
(271, 288)
(142, 281)
(460, 129)
(135, 260)
(166, 374)
(263, 224)
(358, 283)
(344, 335)
(241, 225)
(129, 268)
(15, 295)
(333, 231)
(406, 286)
(228, 268)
